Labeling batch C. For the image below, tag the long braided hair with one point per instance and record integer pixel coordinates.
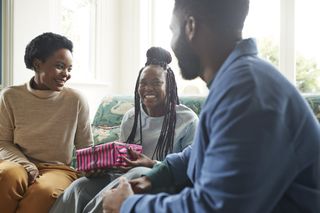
(161, 57)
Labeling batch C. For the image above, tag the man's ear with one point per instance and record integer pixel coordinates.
(190, 28)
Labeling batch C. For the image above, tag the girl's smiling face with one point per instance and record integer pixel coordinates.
(152, 90)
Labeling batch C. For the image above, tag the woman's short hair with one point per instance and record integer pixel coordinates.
(43, 46)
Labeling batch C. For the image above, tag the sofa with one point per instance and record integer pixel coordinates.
(107, 120)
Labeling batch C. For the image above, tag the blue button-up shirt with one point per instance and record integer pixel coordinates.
(256, 148)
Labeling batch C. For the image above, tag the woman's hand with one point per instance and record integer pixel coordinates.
(140, 159)
(33, 173)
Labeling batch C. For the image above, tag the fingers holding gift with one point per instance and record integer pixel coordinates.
(139, 159)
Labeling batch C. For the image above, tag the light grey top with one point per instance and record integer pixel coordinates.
(151, 127)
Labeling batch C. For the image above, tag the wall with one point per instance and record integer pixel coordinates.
(25, 27)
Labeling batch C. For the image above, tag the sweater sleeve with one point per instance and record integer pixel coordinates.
(8, 150)
(160, 175)
(83, 137)
(172, 171)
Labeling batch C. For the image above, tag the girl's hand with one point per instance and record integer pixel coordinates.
(140, 159)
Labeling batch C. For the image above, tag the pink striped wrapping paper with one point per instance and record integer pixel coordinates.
(103, 156)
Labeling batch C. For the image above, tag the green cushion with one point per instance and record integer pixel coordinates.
(314, 102)
(103, 134)
(193, 102)
(111, 111)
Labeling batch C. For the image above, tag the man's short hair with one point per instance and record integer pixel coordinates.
(218, 14)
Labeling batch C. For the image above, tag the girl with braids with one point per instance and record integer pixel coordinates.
(156, 90)
(158, 122)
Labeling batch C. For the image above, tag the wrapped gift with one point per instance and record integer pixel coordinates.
(103, 156)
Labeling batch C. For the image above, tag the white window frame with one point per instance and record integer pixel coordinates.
(7, 43)
(287, 56)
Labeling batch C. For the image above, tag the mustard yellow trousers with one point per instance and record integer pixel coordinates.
(17, 196)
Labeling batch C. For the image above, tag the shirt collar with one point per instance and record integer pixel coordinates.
(242, 48)
(43, 94)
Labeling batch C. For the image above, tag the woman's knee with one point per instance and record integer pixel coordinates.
(12, 175)
(13, 185)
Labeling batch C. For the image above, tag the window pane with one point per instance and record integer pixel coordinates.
(265, 27)
(77, 24)
(307, 46)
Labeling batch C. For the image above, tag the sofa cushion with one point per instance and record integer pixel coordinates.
(104, 134)
(314, 103)
(111, 110)
(193, 102)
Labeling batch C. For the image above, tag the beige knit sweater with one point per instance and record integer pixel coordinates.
(41, 125)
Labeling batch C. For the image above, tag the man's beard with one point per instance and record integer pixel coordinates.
(188, 61)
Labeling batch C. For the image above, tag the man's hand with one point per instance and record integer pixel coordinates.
(140, 159)
(141, 185)
(113, 199)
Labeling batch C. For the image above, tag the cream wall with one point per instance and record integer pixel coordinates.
(26, 27)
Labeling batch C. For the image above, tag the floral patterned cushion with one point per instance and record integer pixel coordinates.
(314, 102)
(104, 134)
(111, 110)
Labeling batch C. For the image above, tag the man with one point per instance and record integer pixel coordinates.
(257, 144)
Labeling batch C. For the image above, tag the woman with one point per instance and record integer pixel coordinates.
(158, 122)
(40, 122)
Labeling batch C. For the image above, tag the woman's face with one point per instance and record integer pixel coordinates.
(152, 90)
(53, 73)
